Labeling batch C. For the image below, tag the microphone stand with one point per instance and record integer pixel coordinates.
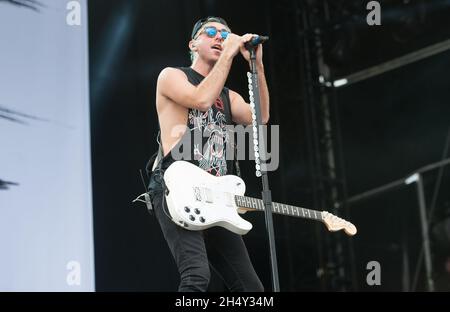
(260, 164)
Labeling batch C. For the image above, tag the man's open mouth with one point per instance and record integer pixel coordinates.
(217, 47)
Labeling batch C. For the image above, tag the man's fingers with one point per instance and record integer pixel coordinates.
(247, 37)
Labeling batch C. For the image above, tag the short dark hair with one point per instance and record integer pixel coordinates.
(199, 24)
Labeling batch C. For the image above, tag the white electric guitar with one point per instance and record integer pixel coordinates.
(198, 200)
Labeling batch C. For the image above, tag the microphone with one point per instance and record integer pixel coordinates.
(255, 41)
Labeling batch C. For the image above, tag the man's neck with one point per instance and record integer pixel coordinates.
(201, 67)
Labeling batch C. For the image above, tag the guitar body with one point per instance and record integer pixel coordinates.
(198, 200)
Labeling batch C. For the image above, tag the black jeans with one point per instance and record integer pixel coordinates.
(195, 251)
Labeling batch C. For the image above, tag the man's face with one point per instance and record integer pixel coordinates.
(208, 41)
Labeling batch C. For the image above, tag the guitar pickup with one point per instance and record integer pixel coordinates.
(203, 193)
(209, 195)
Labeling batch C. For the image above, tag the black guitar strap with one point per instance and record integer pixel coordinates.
(157, 169)
(154, 167)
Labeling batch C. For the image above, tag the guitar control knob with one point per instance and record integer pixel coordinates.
(192, 218)
(187, 209)
(202, 220)
(197, 211)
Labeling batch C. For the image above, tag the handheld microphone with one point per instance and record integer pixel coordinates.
(255, 41)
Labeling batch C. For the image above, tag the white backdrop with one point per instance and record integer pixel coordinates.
(46, 236)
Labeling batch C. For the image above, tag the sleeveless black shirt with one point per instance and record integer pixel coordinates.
(207, 134)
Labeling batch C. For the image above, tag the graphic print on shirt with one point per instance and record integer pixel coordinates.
(211, 124)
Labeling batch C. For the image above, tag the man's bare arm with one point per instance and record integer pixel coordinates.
(174, 85)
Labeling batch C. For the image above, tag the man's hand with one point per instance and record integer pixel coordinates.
(231, 45)
(246, 54)
(234, 43)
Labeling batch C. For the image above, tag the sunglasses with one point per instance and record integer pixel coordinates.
(211, 32)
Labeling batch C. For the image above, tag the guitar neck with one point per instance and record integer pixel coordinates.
(250, 203)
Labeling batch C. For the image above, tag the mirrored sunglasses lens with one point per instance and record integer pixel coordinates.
(224, 34)
(210, 31)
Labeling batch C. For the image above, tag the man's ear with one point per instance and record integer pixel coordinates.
(192, 45)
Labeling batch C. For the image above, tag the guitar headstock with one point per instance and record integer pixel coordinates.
(334, 224)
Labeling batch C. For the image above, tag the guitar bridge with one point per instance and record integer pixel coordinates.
(197, 194)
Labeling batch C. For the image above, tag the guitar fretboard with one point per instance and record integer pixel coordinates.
(258, 204)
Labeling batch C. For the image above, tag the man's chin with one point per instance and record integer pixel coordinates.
(213, 59)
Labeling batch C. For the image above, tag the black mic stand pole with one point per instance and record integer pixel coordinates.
(261, 168)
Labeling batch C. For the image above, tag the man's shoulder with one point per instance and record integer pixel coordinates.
(171, 70)
(171, 73)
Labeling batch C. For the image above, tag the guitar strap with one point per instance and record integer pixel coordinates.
(236, 170)
(154, 166)
(157, 166)
(156, 160)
